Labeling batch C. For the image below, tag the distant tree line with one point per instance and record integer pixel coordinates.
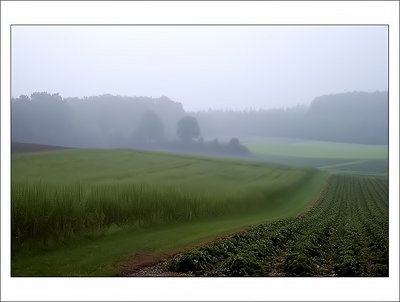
(98, 121)
(119, 121)
(355, 117)
(108, 121)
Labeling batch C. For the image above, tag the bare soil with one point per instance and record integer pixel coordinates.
(17, 147)
(146, 264)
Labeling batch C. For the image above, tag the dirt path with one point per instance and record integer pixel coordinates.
(354, 162)
(151, 264)
(145, 264)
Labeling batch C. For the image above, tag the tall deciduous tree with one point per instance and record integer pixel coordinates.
(188, 129)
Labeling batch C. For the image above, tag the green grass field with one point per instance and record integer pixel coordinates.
(80, 212)
(319, 149)
(337, 158)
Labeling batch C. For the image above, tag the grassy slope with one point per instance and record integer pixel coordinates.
(127, 166)
(194, 174)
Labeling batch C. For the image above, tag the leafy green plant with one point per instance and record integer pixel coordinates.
(344, 234)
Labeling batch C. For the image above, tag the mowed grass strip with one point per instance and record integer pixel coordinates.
(67, 194)
(319, 149)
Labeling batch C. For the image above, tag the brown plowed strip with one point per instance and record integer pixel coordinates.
(145, 264)
(28, 147)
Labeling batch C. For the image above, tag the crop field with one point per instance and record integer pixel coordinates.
(344, 234)
(69, 202)
(89, 212)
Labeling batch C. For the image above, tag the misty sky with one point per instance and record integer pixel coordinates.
(224, 67)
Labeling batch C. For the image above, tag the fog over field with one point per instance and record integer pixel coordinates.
(201, 67)
(199, 151)
(129, 86)
(110, 121)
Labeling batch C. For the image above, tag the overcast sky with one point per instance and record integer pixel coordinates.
(224, 67)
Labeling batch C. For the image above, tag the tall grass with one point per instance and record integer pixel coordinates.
(63, 194)
(43, 211)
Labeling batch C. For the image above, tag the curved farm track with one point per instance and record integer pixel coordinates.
(345, 234)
